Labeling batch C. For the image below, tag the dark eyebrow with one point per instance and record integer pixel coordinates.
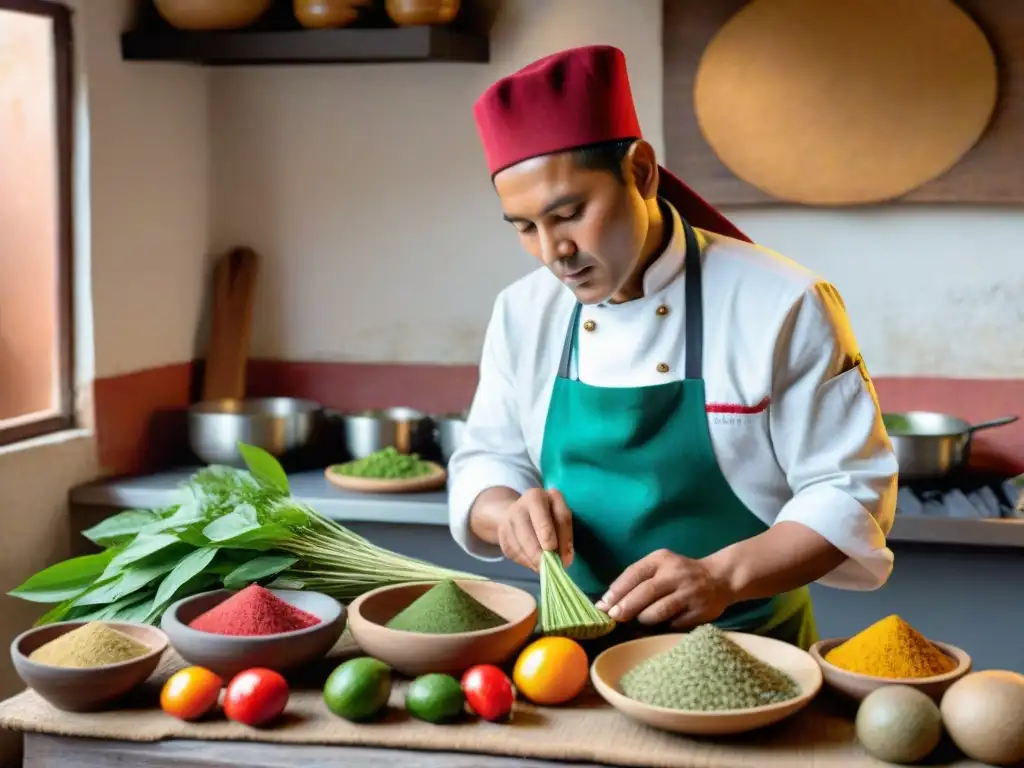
(558, 202)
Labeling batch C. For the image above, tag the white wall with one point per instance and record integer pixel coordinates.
(366, 191)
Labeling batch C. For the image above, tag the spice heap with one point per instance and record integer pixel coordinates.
(387, 464)
(445, 609)
(251, 612)
(91, 645)
(707, 672)
(891, 648)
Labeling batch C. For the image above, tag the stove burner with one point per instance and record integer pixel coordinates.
(966, 495)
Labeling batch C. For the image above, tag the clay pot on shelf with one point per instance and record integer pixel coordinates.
(417, 13)
(329, 14)
(207, 15)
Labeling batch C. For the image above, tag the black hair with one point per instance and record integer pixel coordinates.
(605, 156)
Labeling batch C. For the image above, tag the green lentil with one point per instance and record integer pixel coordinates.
(445, 609)
(388, 464)
(705, 672)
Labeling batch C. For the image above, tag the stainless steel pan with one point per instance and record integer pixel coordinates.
(929, 445)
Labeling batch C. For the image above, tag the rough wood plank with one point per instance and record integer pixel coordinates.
(61, 752)
(989, 174)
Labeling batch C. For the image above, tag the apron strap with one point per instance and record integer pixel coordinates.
(694, 306)
(694, 314)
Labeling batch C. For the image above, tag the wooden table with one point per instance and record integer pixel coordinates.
(43, 751)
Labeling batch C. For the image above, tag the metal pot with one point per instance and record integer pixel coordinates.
(279, 425)
(929, 445)
(448, 433)
(405, 429)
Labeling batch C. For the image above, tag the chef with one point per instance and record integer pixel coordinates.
(683, 416)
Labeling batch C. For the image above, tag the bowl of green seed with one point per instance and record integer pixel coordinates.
(707, 681)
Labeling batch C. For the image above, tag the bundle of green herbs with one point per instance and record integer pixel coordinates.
(564, 610)
(233, 528)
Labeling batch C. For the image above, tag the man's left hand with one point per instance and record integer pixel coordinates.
(666, 587)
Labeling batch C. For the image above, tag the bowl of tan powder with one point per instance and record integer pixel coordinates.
(889, 652)
(80, 666)
(707, 681)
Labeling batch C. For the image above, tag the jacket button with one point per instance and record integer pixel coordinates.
(663, 368)
(661, 311)
(589, 325)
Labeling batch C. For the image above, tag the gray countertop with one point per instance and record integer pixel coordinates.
(159, 490)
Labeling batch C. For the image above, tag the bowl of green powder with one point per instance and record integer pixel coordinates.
(445, 627)
(82, 666)
(707, 681)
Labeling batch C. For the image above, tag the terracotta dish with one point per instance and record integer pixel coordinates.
(329, 14)
(858, 686)
(414, 653)
(430, 482)
(610, 666)
(85, 690)
(227, 655)
(416, 13)
(206, 15)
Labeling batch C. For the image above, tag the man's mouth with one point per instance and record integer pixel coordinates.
(577, 276)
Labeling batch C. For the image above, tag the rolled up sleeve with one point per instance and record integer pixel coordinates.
(828, 436)
(492, 451)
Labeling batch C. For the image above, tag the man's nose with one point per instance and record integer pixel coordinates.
(555, 249)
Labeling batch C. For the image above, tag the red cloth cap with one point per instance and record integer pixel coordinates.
(569, 100)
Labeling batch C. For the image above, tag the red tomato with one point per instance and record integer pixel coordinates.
(488, 691)
(255, 697)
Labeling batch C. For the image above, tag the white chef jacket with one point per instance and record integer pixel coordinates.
(794, 420)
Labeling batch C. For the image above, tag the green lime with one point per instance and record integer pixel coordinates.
(435, 698)
(358, 690)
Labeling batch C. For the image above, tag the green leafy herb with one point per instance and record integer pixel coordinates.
(231, 528)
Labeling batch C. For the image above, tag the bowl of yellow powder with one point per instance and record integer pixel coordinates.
(82, 666)
(889, 652)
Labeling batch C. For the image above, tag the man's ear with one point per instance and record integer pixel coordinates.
(642, 164)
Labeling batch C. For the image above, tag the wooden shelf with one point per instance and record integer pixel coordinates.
(300, 46)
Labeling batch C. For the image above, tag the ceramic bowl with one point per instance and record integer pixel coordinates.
(415, 653)
(857, 686)
(85, 690)
(227, 655)
(609, 667)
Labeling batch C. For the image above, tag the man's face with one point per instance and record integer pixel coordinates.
(584, 225)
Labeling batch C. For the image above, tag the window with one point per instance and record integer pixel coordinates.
(36, 300)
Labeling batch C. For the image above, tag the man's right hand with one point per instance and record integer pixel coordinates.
(539, 521)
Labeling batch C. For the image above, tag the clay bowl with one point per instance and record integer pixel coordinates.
(609, 667)
(85, 690)
(227, 655)
(203, 15)
(415, 653)
(858, 686)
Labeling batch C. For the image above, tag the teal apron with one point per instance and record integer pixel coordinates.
(637, 468)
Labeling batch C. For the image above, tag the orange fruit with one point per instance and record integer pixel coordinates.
(552, 670)
(190, 693)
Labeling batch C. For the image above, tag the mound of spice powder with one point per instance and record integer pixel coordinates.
(445, 609)
(891, 648)
(705, 672)
(253, 611)
(90, 645)
(386, 464)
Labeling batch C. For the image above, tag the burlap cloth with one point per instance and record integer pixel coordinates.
(588, 730)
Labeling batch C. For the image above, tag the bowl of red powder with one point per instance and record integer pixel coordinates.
(279, 629)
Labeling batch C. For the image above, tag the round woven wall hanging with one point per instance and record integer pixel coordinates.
(844, 102)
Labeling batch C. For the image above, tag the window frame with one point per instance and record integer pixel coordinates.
(24, 428)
